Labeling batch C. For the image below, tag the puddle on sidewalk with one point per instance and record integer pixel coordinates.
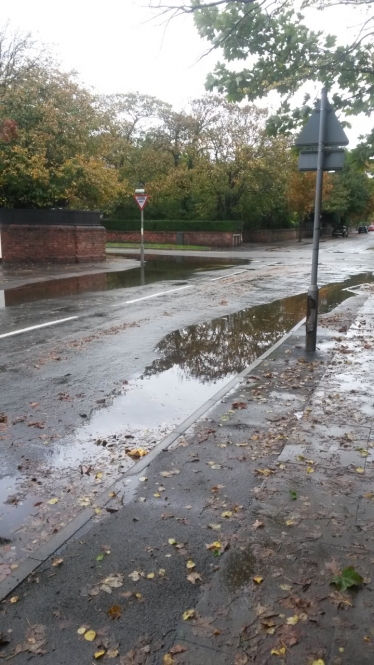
(156, 269)
(193, 363)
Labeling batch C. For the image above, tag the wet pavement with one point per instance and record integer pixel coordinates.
(222, 528)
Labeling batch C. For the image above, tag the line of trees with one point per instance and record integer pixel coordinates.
(62, 145)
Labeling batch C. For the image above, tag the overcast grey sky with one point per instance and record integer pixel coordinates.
(116, 46)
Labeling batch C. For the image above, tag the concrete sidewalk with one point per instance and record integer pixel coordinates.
(227, 542)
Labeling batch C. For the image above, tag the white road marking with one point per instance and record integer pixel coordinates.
(41, 325)
(231, 274)
(155, 295)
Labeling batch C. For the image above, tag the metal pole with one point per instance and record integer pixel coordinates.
(142, 238)
(312, 301)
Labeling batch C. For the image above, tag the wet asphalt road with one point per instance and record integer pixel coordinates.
(55, 379)
(111, 340)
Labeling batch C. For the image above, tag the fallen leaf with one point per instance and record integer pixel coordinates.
(226, 513)
(168, 659)
(90, 635)
(157, 495)
(135, 576)
(278, 652)
(169, 474)
(143, 480)
(215, 527)
(161, 572)
(360, 469)
(190, 565)
(239, 405)
(193, 577)
(188, 614)
(290, 522)
(82, 630)
(241, 659)
(216, 488)
(57, 562)
(99, 654)
(35, 641)
(257, 524)
(114, 612)
(112, 653)
(348, 578)
(309, 469)
(258, 579)
(14, 599)
(114, 581)
(293, 495)
(318, 662)
(172, 541)
(137, 452)
(264, 472)
(151, 576)
(292, 621)
(52, 501)
(213, 546)
(286, 587)
(178, 648)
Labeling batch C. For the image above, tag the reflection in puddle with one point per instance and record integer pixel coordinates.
(215, 349)
(15, 505)
(156, 270)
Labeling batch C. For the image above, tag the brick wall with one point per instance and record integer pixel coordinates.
(64, 244)
(204, 238)
(270, 235)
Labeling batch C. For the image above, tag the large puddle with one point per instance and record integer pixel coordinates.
(159, 268)
(193, 363)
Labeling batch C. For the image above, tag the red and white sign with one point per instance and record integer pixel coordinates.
(141, 200)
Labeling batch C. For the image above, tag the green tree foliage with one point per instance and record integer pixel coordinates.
(281, 52)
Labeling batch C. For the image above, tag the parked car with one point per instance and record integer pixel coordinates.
(362, 228)
(340, 231)
(371, 227)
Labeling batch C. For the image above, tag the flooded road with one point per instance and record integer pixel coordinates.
(157, 269)
(192, 364)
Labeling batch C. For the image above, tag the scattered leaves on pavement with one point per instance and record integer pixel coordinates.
(193, 577)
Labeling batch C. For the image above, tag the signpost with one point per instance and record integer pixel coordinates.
(322, 132)
(141, 199)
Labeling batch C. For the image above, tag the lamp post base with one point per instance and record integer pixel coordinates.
(311, 319)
